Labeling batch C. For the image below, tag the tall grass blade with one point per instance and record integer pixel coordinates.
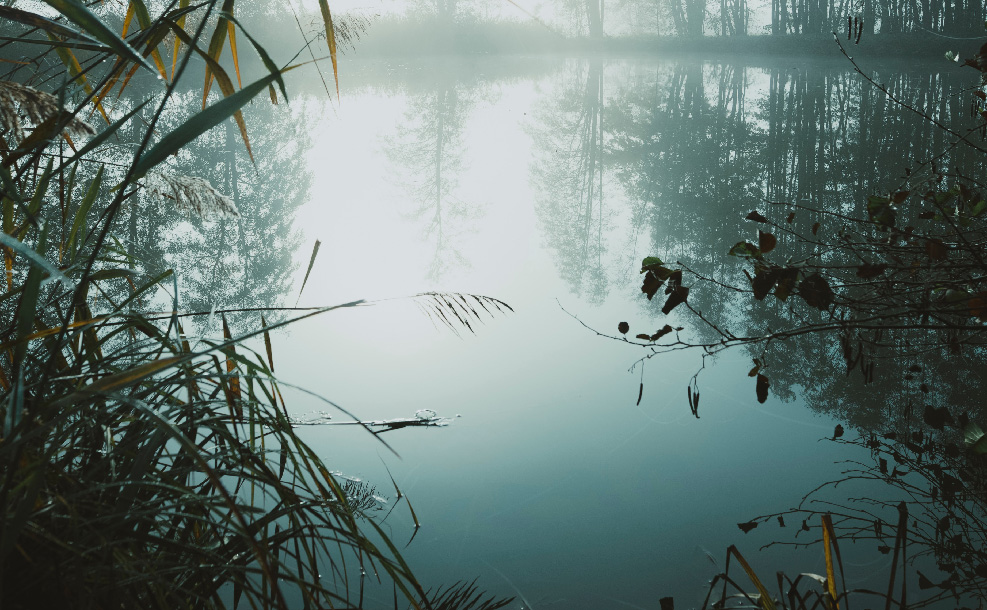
(215, 48)
(225, 84)
(199, 124)
(77, 13)
(899, 544)
(330, 39)
(102, 136)
(72, 64)
(311, 262)
(265, 59)
(180, 22)
(36, 259)
(236, 57)
(43, 23)
(766, 601)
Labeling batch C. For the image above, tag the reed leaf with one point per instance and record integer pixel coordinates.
(197, 125)
(77, 13)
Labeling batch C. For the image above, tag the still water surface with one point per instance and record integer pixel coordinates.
(543, 184)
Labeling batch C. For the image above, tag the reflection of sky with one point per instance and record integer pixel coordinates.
(552, 477)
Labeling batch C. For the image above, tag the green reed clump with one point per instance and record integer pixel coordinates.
(141, 467)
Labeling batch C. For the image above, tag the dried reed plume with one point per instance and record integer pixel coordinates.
(20, 101)
(189, 193)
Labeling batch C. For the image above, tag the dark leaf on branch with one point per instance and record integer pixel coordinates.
(667, 603)
(915, 368)
(781, 521)
(883, 465)
(816, 292)
(661, 333)
(924, 388)
(881, 211)
(766, 242)
(762, 388)
(756, 217)
(678, 296)
(937, 418)
(815, 228)
(805, 525)
(869, 270)
(900, 197)
(884, 549)
(757, 367)
(623, 327)
(763, 281)
(651, 285)
(787, 278)
(978, 305)
(650, 263)
(936, 249)
(747, 527)
(838, 432)
(745, 248)
(791, 217)
(644, 337)
(927, 215)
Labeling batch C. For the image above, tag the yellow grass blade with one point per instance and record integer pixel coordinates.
(215, 48)
(156, 56)
(231, 32)
(331, 39)
(8, 263)
(121, 379)
(183, 4)
(126, 20)
(267, 342)
(766, 601)
(827, 524)
(51, 331)
(225, 85)
(72, 64)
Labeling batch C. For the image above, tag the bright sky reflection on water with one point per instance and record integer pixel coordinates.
(552, 479)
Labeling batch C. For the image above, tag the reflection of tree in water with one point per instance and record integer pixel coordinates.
(908, 394)
(223, 261)
(429, 149)
(568, 177)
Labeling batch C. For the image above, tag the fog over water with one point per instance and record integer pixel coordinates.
(544, 184)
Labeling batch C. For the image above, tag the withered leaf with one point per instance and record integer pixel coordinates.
(747, 527)
(623, 327)
(762, 388)
(936, 249)
(651, 285)
(763, 281)
(756, 216)
(679, 295)
(838, 431)
(791, 217)
(815, 228)
(766, 242)
(661, 333)
(816, 292)
(869, 270)
(644, 337)
(937, 418)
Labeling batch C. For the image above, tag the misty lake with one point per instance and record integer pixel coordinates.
(544, 183)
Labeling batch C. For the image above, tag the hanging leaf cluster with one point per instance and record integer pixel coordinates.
(658, 275)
